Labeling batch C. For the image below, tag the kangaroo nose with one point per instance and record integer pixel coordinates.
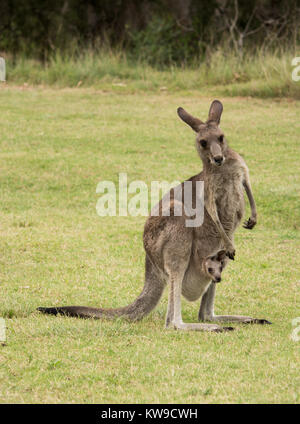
(218, 279)
(218, 159)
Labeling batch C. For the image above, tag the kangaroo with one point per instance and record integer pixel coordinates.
(178, 255)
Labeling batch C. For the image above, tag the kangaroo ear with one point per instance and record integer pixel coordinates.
(212, 258)
(215, 111)
(194, 123)
(221, 255)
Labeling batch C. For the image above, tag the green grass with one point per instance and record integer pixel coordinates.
(260, 74)
(56, 145)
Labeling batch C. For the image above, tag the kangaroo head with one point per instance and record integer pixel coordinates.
(210, 141)
(214, 265)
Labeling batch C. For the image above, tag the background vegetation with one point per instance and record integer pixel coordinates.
(159, 32)
(243, 46)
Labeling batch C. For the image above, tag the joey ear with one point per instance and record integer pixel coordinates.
(215, 111)
(221, 255)
(211, 258)
(194, 123)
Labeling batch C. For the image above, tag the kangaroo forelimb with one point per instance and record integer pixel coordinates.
(251, 222)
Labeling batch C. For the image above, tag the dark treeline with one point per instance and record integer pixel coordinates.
(156, 31)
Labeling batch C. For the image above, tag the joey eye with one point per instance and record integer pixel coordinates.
(210, 270)
(203, 143)
(221, 138)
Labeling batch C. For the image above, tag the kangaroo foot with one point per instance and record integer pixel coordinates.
(235, 318)
(200, 327)
(256, 321)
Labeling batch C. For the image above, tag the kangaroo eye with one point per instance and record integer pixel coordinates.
(210, 270)
(221, 138)
(203, 143)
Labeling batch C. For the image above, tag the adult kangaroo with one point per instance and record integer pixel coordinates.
(175, 252)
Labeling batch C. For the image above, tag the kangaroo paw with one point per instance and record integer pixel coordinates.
(249, 224)
(230, 254)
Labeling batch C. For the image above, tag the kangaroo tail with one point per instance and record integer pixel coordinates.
(143, 305)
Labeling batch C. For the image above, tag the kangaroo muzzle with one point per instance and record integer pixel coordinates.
(216, 154)
(217, 280)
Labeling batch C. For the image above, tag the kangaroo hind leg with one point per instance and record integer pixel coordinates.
(206, 311)
(176, 260)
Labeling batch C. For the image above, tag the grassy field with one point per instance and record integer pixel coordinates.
(223, 73)
(56, 145)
